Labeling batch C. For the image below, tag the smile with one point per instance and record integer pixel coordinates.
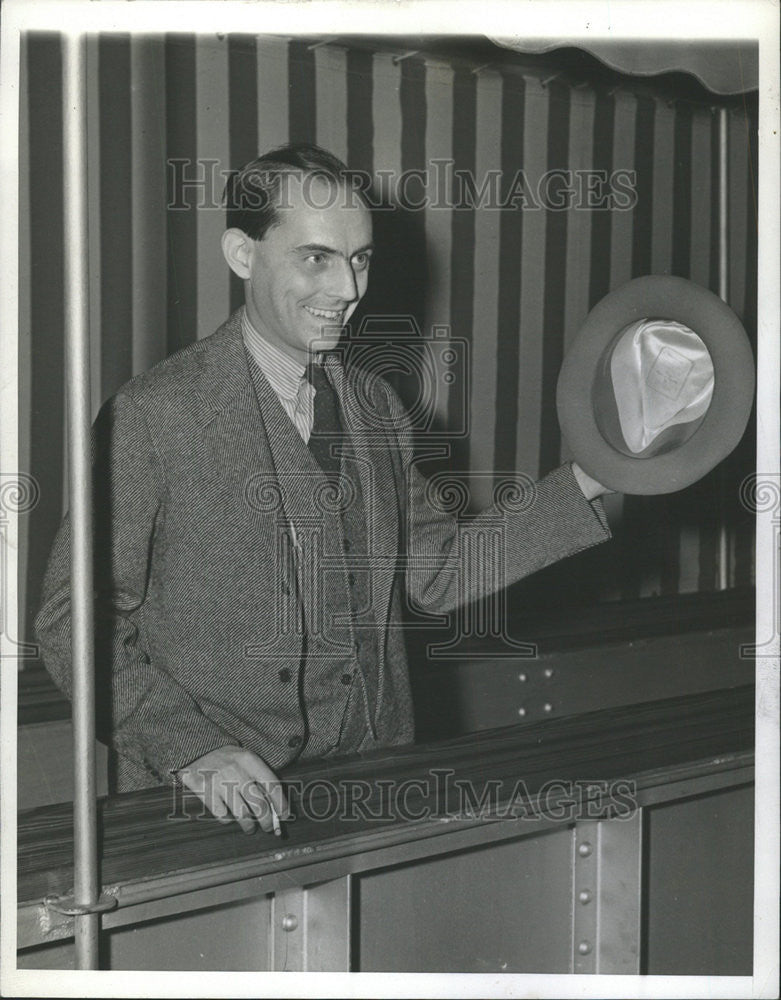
(331, 314)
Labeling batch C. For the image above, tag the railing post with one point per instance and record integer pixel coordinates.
(77, 383)
(724, 296)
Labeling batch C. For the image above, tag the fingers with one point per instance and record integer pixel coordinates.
(238, 805)
(265, 778)
(232, 781)
(194, 779)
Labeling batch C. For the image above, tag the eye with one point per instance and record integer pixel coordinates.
(361, 261)
(316, 258)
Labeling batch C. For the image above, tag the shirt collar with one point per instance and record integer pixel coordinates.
(282, 371)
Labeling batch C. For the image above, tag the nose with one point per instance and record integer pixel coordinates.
(344, 284)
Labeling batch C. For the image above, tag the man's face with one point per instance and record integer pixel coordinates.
(309, 271)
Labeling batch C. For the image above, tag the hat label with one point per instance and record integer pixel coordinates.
(668, 373)
(662, 376)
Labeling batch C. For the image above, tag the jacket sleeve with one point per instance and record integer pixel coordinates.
(452, 561)
(141, 710)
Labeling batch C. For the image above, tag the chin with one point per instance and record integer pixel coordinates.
(326, 340)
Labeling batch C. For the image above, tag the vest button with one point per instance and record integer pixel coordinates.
(294, 741)
(347, 678)
(351, 579)
(285, 675)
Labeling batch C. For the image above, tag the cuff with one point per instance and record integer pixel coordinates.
(163, 755)
(579, 523)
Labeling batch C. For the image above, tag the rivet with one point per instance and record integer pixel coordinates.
(584, 947)
(584, 896)
(585, 849)
(547, 707)
(522, 677)
(521, 712)
(548, 671)
(289, 922)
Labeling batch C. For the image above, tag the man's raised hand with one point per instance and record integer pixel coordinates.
(234, 782)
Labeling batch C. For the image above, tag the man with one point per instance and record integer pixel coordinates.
(260, 522)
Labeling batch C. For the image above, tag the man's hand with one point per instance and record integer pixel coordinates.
(590, 487)
(232, 781)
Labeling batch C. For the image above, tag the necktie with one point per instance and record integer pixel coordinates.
(326, 427)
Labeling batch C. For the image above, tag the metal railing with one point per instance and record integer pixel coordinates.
(77, 382)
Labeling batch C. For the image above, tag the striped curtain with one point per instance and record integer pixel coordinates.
(168, 116)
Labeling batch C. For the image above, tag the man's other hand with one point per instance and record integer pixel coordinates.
(590, 487)
(234, 782)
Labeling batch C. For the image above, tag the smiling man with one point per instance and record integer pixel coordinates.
(306, 266)
(261, 524)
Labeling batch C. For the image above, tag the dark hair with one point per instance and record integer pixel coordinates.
(252, 193)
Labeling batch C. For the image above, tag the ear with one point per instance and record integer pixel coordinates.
(237, 250)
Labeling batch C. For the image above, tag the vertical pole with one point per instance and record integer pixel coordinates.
(77, 379)
(723, 295)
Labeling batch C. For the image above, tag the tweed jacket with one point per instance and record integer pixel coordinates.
(199, 595)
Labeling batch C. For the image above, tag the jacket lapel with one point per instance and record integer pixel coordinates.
(246, 496)
(370, 444)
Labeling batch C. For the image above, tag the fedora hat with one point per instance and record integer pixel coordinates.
(657, 387)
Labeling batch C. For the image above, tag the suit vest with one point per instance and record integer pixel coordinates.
(337, 676)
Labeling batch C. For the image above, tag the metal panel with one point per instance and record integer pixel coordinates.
(328, 926)
(485, 693)
(505, 908)
(585, 875)
(309, 928)
(606, 889)
(286, 931)
(57, 955)
(231, 937)
(619, 901)
(700, 885)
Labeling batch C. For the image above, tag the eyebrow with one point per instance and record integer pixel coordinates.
(321, 248)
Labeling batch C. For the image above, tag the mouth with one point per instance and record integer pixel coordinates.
(329, 315)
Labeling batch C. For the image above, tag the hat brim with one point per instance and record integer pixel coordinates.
(662, 297)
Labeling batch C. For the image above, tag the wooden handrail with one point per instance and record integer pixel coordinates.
(140, 840)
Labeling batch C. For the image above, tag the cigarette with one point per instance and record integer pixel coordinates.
(275, 821)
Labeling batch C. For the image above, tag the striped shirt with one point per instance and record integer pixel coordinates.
(285, 376)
